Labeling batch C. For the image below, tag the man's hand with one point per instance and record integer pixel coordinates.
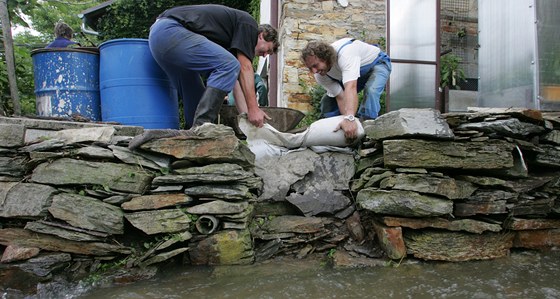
(350, 129)
(257, 117)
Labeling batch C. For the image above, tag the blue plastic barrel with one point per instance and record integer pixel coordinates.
(67, 82)
(134, 89)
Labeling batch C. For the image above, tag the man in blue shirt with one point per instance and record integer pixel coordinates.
(63, 34)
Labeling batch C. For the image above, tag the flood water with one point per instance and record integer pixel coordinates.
(521, 275)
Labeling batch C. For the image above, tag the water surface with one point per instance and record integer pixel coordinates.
(521, 275)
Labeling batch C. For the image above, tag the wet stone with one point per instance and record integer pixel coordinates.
(120, 177)
(87, 213)
(43, 265)
(427, 184)
(218, 207)
(12, 135)
(37, 199)
(494, 154)
(16, 253)
(156, 201)
(456, 247)
(402, 203)
(226, 192)
(159, 221)
(64, 231)
(319, 201)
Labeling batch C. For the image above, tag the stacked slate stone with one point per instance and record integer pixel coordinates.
(74, 197)
(306, 206)
(460, 186)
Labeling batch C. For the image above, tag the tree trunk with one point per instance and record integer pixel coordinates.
(9, 54)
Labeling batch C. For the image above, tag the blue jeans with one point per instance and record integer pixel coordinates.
(187, 58)
(372, 80)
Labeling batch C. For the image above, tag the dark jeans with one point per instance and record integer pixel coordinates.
(186, 57)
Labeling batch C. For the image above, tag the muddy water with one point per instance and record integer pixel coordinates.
(522, 275)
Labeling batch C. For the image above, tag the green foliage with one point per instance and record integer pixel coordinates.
(255, 9)
(394, 264)
(24, 75)
(331, 253)
(133, 18)
(42, 15)
(382, 42)
(48, 13)
(315, 93)
(192, 217)
(451, 72)
(18, 8)
(382, 103)
(100, 270)
(165, 170)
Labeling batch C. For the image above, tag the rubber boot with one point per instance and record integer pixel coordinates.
(209, 106)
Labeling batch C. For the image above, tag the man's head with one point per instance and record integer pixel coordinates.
(267, 42)
(318, 57)
(62, 29)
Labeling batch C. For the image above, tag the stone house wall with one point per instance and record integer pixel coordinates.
(302, 21)
(306, 20)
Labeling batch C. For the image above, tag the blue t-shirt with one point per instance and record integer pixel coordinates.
(60, 42)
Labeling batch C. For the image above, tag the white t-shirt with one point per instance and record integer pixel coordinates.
(347, 65)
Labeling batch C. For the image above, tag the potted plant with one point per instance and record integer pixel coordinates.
(451, 72)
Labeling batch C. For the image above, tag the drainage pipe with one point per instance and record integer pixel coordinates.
(207, 224)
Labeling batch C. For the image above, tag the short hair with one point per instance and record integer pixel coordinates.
(270, 35)
(320, 50)
(62, 29)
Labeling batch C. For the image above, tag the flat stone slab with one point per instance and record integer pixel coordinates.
(87, 213)
(402, 203)
(25, 238)
(409, 122)
(156, 201)
(120, 177)
(495, 154)
(467, 225)
(159, 221)
(457, 247)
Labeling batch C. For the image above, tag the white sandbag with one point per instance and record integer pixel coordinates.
(319, 133)
(322, 132)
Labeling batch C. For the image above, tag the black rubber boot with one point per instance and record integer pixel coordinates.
(209, 106)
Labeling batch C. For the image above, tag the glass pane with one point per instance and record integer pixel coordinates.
(412, 86)
(549, 53)
(507, 53)
(413, 29)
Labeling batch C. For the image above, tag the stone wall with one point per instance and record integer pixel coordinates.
(73, 196)
(453, 187)
(461, 186)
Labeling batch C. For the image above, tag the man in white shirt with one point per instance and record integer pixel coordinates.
(344, 68)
